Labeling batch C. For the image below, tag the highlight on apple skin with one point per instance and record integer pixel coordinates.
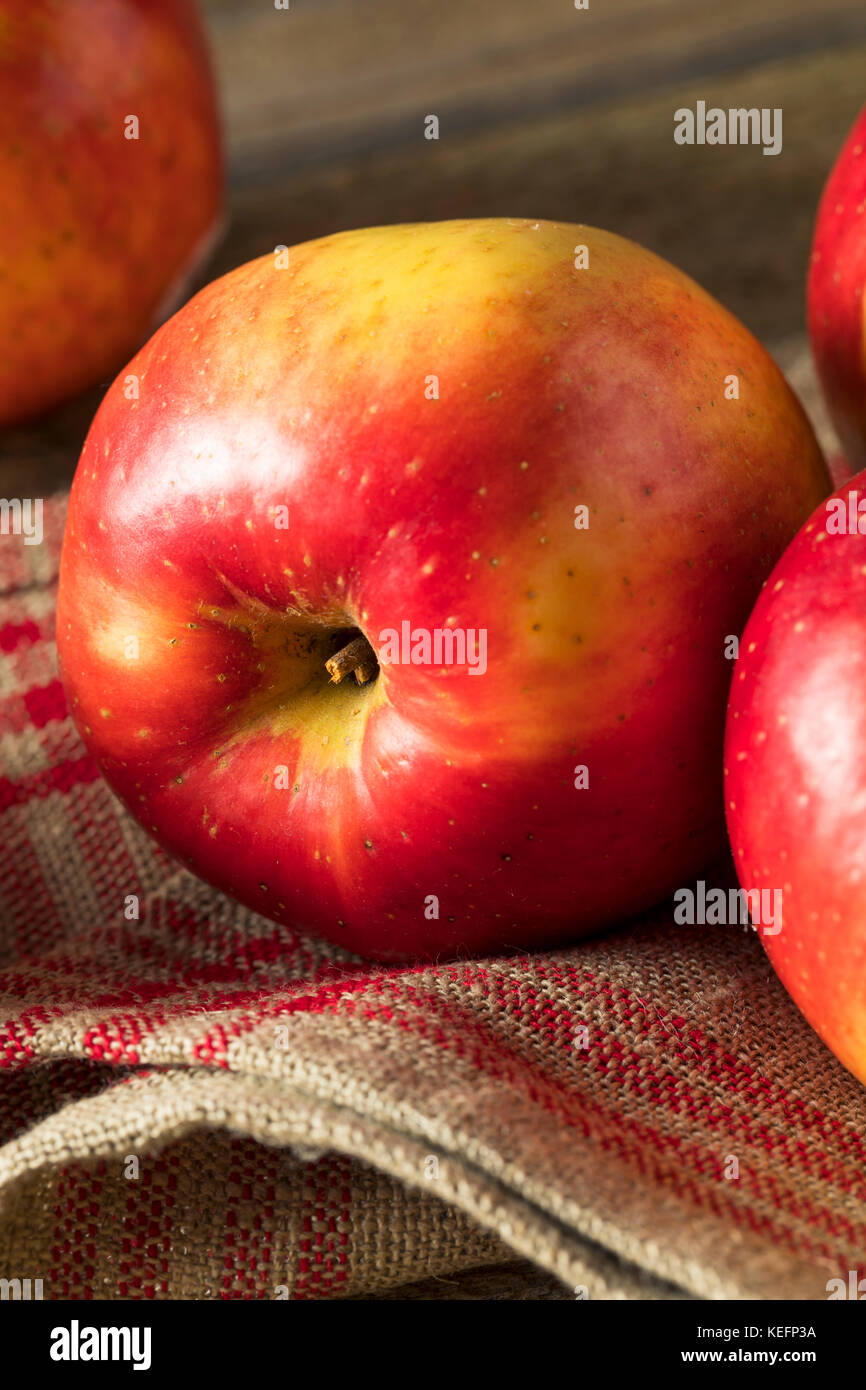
(111, 178)
(795, 768)
(418, 435)
(837, 294)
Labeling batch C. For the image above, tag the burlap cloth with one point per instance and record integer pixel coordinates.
(203, 1105)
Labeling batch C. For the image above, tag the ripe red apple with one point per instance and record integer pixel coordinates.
(110, 171)
(410, 425)
(837, 294)
(795, 765)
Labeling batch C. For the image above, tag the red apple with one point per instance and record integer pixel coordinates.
(795, 765)
(102, 218)
(837, 294)
(433, 404)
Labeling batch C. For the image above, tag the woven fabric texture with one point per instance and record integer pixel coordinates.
(200, 1104)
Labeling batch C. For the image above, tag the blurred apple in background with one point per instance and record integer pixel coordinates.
(536, 431)
(795, 764)
(110, 171)
(837, 294)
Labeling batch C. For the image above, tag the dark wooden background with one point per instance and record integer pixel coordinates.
(545, 111)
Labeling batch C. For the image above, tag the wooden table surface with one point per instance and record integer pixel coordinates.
(545, 111)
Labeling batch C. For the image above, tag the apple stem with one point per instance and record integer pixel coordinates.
(357, 656)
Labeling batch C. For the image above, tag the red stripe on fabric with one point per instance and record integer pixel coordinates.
(325, 1214)
(728, 1073)
(572, 1108)
(147, 1227)
(14, 1051)
(743, 1079)
(13, 634)
(214, 1045)
(556, 1096)
(751, 1083)
(116, 1039)
(119, 1047)
(213, 1048)
(251, 1196)
(46, 702)
(15, 717)
(73, 1252)
(75, 772)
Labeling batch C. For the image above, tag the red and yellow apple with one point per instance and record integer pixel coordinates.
(837, 294)
(110, 170)
(448, 427)
(795, 767)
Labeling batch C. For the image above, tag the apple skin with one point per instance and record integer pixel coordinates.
(308, 387)
(795, 774)
(837, 294)
(98, 232)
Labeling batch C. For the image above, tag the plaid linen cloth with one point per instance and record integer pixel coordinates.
(200, 1104)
